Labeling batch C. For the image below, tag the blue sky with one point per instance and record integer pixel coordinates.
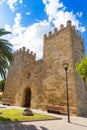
(29, 20)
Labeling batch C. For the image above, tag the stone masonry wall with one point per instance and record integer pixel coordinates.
(81, 92)
(57, 50)
(45, 79)
(23, 73)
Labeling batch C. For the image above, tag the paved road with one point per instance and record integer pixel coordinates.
(77, 123)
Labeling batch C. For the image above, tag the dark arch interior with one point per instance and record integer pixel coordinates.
(27, 98)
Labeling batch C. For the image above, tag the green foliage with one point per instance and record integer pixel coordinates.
(2, 84)
(81, 68)
(6, 55)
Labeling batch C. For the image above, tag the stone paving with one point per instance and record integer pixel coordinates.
(77, 123)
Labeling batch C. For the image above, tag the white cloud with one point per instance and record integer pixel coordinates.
(79, 14)
(51, 7)
(57, 14)
(31, 37)
(12, 3)
(7, 28)
(17, 19)
(27, 13)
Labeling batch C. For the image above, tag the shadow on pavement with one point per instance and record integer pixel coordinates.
(20, 126)
(43, 128)
(79, 124)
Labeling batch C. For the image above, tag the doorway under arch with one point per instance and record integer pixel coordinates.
(27, 97)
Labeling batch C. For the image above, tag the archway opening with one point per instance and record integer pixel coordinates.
(27, 97)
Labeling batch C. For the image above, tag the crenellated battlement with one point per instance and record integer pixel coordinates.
(62, 28)
(25, 52)
(56, 31)
(38, 84)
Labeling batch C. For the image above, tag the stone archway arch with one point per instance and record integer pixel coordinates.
(27, 97)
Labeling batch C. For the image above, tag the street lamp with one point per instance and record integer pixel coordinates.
(66, 65)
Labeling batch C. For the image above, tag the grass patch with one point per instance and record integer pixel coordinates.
(16, 115)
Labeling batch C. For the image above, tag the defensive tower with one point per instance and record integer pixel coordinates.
(41, 84)
(62, 46)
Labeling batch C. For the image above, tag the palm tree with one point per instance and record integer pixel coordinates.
(6, 55)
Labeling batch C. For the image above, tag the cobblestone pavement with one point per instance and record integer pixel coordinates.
(77, 123)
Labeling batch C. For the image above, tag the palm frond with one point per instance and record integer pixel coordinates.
(6, 54)
(3, 32)
(6, 49)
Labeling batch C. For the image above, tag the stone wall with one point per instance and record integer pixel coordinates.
(24, 73)
(45, 79)
(57, 50)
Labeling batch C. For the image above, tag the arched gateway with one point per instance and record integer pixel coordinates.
(46, 77)
(27, 97)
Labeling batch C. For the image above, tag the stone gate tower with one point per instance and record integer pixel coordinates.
(41, 84)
